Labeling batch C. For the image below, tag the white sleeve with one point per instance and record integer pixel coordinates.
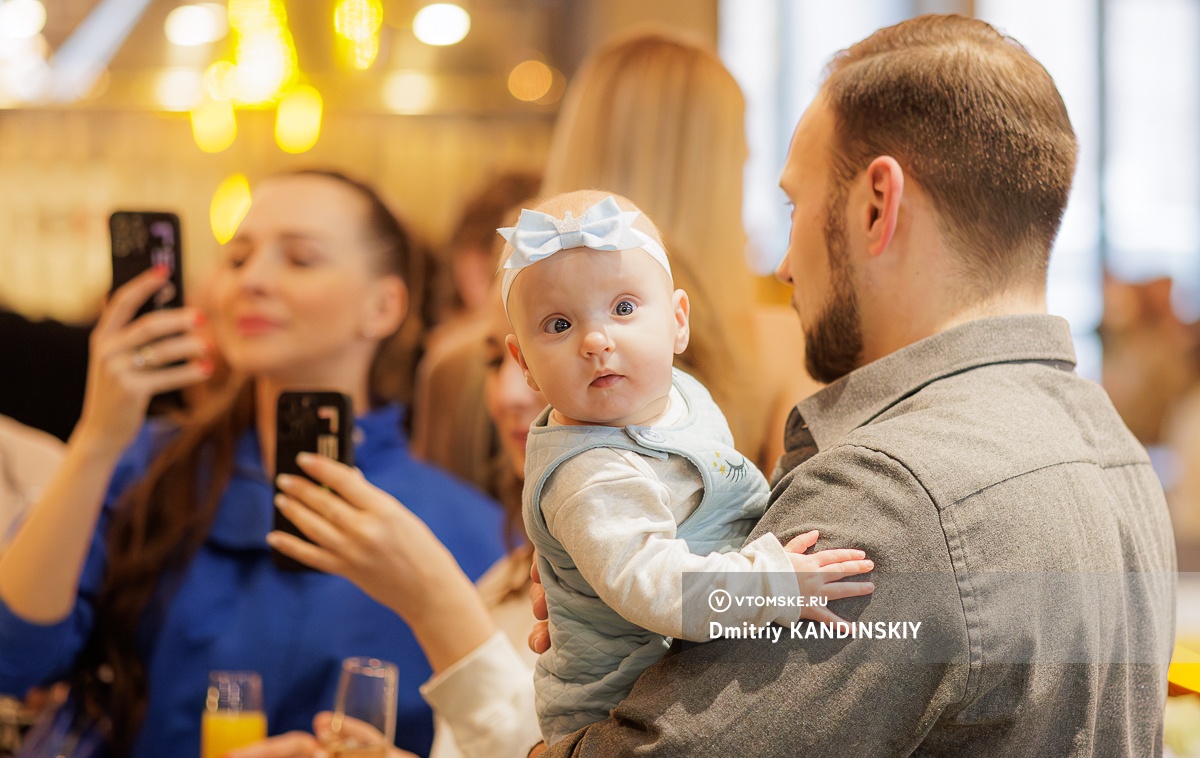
(613, 516)
(486, 700)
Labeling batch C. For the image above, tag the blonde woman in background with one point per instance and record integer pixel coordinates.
(657, 117)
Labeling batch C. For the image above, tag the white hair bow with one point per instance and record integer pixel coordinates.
(604, 226)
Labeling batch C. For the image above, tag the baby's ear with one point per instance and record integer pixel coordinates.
(683, 329)
(515, 350)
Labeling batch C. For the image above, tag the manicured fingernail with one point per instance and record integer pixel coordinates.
(305, 458)
(280, 501)
(284, 481)
(162, 270)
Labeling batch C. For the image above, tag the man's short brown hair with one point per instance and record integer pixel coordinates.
(977, 122)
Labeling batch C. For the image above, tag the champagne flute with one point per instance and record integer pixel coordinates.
(364, 714)
(233, 715)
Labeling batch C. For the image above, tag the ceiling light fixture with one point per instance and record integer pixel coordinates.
(441, 24)
(200, 24)
(298, 120)
(21, 19)
(409, 92)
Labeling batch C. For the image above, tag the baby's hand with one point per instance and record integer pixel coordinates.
(818, 574)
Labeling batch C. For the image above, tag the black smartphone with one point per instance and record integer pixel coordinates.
(142, 240)
(309, 422)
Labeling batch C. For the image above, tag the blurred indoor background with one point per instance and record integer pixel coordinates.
(164, 104)
(173, 105)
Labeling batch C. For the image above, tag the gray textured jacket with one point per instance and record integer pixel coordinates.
(1009, 511)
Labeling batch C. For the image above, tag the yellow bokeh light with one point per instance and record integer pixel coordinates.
(441, 24)
(358, 20)
(357, 54)
(530, 80)
(264, 51)
(178, 89)
(409, 92)
(229, 205)
(249, 15)
(558, 88)
(365, 52)
(190, 25)
(213, 126)
(218, 80)
(298, 120)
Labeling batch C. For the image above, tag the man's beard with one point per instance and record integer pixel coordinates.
(834, 344)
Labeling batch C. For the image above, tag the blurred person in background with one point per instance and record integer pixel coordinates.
(1151, 370)
(28, 459)
(656, 117)
(144, 565)
(470, 268)
(45, 369)
(451, 426)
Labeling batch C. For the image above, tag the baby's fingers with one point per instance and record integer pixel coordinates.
(847, 568)
(842, 555)
(802, 542)
(819, 613)
(841, 590)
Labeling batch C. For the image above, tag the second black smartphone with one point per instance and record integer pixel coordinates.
(309, 422)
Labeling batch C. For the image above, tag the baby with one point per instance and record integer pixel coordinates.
(631, 476)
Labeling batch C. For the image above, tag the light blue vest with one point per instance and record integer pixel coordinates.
(595, 655)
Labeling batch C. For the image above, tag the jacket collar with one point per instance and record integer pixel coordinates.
(867, 392)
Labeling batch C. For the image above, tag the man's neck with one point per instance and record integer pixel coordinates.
(921, 321)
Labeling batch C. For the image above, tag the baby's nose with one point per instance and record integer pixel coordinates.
(595, 342)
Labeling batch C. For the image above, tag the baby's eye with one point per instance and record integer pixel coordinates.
(557, 326)
(624, 308)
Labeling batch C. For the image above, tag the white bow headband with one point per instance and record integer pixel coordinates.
(604, 226)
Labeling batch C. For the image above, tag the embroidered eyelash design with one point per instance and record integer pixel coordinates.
(732, 471)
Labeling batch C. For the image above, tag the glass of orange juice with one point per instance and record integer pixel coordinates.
(233, 715)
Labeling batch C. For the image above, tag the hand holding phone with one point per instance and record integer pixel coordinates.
(309, 422)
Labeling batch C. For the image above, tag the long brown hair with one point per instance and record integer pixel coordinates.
(162, 521)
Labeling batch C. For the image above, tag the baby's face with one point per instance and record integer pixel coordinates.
(596, 331)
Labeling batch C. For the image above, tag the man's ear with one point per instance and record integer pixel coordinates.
(514, 349)
(885, 181)
(683, 329)
(387, 307)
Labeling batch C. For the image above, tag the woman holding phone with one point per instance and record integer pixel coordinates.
(475, 635)
(144, 565)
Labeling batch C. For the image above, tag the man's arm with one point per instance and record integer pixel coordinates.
(851, 695)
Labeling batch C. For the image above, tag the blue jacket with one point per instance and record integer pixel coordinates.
(235, 610)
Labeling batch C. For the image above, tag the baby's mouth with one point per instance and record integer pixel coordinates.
(606, 381)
